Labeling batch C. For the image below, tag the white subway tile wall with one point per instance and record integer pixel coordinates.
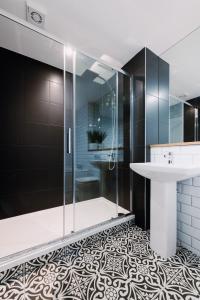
(188, 194)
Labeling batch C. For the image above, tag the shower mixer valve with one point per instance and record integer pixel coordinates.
(111, 155)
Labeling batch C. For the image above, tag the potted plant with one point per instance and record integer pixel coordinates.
(95, 138)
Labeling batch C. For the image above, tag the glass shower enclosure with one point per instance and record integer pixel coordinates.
(65, 140)
(98, 142)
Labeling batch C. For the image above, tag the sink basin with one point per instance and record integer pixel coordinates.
(165, 172)
(163, 211)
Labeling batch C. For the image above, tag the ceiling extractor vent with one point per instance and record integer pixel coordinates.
(34, 15)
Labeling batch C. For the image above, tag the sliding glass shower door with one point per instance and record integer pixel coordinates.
(96, 142)
(31, 138)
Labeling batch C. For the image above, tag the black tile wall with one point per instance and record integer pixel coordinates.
(31, 135)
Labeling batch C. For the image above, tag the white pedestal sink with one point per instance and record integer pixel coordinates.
(163, 202)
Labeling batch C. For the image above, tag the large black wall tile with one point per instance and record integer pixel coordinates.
(56, 92)
(10, 206)
(139, 153)
(55, 157)
(139, 133)
(151, 120)
(151, 73)
(36, 157)
(32, 180)
(37, 112)
(36, 90)
(139, 96)
(163, 80)
(32, 134)
(9, 183)
(56, 134)
(9, 158)
(56, 114)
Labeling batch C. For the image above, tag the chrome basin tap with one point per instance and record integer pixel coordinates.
(170, 158)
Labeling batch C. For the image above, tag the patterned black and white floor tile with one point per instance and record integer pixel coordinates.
(116, 264)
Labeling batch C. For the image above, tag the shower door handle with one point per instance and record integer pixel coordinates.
(69, 141)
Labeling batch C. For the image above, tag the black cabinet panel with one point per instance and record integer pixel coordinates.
(139, 99)
(163, 80)
(151, 120)
(163, 121)
(139, 134)
(136, 67)
(150, 111)
(139, 154)
(163, 110)
(151, 73)
(124, 123)
(163, 133)
(139, 199)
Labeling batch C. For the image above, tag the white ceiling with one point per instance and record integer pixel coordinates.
(117, 29)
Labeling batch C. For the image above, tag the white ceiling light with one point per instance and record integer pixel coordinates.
(103, 71)
(99, 80)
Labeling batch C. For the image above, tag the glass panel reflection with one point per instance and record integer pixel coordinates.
(97, 143)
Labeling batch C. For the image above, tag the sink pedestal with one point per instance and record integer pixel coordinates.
(163, 218)
(163, 201)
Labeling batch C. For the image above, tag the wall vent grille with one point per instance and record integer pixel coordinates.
(35, 16)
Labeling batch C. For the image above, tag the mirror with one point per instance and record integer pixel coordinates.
(184, 62)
